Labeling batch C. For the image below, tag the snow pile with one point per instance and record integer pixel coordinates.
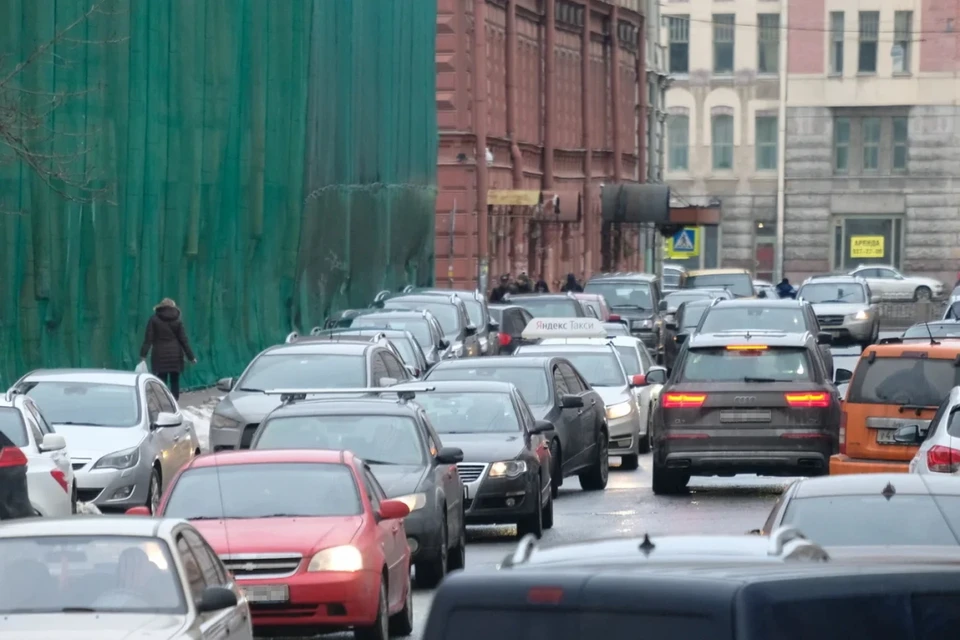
(200, 416)
(87, 509)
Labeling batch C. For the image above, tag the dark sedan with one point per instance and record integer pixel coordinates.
(506, 453)
(555, 393)
(511, 320)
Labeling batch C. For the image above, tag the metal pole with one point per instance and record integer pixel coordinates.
(480, 131)
(615, 92)
(517, 236)
(782, 143)
(590, 229)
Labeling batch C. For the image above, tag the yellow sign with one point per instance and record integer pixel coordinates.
(684, 244)
(866, 246)
(523, 197)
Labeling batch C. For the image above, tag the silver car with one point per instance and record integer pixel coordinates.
(846, 308)
(126, 435)
(939, 441)
(115, 577)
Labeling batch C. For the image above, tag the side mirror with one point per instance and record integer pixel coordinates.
(225, 384)
(614, 318)
(657, 375)
(165, 420)
(639, 380)
(216, 599)
(680, 338)
(444, 344)
(571, 401)
(909, 434)
(53, 442)
(388, 382)
(450, 455)
(493, 326)
(471, 330)
(139, 511)
(393, 510)
(824, 338)
(842, 376)
(412, 370)
(541, 426)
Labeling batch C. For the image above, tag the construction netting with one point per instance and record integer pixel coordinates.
(262, 162)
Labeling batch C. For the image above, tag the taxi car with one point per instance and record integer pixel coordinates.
(896, 384)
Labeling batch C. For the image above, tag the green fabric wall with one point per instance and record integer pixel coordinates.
(266, 161)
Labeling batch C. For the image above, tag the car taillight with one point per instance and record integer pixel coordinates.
(942, 459)
(808, 400)
(545, 595)
(843, 432)
(505, 339)
(61, 479)
(683, 400)
(12, 457)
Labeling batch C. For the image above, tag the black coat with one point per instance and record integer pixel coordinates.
(168, 340)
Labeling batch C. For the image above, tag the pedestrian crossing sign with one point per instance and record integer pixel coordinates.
(684, 243)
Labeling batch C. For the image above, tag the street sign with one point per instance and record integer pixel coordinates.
(684, 243)
(866, 246)
(564, 328)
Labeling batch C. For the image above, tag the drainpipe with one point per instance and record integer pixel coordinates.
(615, 92)
(589, 226)
(782, 144)
(480, 131)
(644, 90)
(549, 124)
(517, 236)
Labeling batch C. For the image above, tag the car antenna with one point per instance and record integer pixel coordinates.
(223, 515)
(930, 333)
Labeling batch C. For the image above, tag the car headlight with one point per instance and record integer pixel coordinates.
(860, 315)
(413, 501)
(222, 422)
(642, 324)
(508, 469)
(615, 411)
(346, 558)
(125, 459)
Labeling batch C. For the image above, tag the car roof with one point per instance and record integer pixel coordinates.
(398, 313)
(88, 526)
(587, 296)
(718, 272)
(616, 340)
(95, 376)
(836, 278)
(490, 362)
(697, 302)
(469, 294)
(875, 483)
(750, 337)
(526, 296)
(753, 303)
(320, 347)
(362, 332)
(271, 456)
(423, 297)
(503, 307)
(460, 386)
(345, 404)
(572, 345)
(643, 277)
(945, 350)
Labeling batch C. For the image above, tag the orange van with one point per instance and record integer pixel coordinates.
(895, 385)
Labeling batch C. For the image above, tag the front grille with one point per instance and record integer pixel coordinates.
(470, 471)
(88, 495)
(272, 565)
(247, 436)
(828, 321)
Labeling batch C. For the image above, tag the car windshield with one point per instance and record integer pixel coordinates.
(822, 292)
(630, 359)
(875, 520)
(936, 329)
(304, 371)
(530, 381)
(734, 364)
(466, 412)
(739, 284)
(445, 312)
(677, 297)
(264, 490)
(547, 307)
(923, 382)
(96, 574)
(692, 315)
(599, 369)
(11, 425)
(623, 295)
(418, 327)
(375, 438)
(755, 317)
(86, 403)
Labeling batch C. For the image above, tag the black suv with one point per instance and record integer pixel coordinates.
(635, 297)
(745, 402)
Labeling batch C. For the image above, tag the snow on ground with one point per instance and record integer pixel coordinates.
(200, 417)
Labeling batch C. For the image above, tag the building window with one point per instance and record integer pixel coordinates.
(768, 43)
(847, 229)
(723, 31)
(766, 146)
(679, 49)
(869, 30)
(678, 134)
(722, 141)
(836, 42)
(900, 144)
(870, 130)
(902, 41)
(841, 145)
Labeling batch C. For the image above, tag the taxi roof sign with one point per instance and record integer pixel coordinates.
(564, 328)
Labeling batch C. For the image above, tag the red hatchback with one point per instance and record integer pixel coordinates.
(310, 536)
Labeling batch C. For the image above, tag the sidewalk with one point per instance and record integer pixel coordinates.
(197, 406)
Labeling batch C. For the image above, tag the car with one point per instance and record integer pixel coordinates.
(927, 331)
(891, 285)
(506, 452)
(478, 312)
(672, 301)
(549, 305)
(598, 305)
(126, 434)
(636, 298)
(872, 510)
(618, 329)
(342, 318)
(14, 492)
(53, 488)
(557, 394)
(952, 310)
(511, 320)
(405, 453)
(939, 443)
(745, 401)
(113, 575)
(679, 328)
(673, 275)
(402, 340)
(765, 289)
(737, 281)
(845, 308)
(451, 313)
(422, 324)
(310, 365)
(309, 535)
(345, 335)
(895, 384)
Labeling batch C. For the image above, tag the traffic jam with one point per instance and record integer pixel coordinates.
(352, 467)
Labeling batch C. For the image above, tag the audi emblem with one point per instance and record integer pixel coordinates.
(742, 400)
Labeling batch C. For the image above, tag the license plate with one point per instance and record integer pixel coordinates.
(267, 593)
(743, 417)
(885, 436)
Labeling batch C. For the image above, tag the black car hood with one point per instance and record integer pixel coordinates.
(485, 447)
(632, 314)
(398, 479)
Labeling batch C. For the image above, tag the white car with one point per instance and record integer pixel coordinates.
(889, 284)
(115, 577)
(50, 479)
(939, 452)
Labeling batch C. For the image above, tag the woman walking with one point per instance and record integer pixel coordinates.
(168, 340)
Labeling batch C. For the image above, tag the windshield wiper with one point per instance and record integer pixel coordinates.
(85, 424)
(77, 610)
(749, 379)
(249, 389)
(369, 461)
(629, 306)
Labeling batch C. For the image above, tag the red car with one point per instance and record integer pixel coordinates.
(309, 535)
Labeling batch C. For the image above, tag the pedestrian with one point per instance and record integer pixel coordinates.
(496, 295)
(785, 289)
(167, 339)
(571, 285)
(523, 283)
(541, 286)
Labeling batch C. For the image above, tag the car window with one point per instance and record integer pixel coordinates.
(645, 358)
(691, 315)
(559, 383)
(739, 284)
(953, 426)
(630, 358)
(304, 371)
(419, 327)
(532, 381)
(735, 365)
(525, 416)
(378, 369)
(407, 351)
(191, 567)
(33, 426)
(395, 369)
(903, 381)
(45, 427)
(213, 574)
(369, 485)
(823, 293)
(86, 403)
(153, 403)
(166, 401)
(734, 318)
(12, 426)
(570, 377)
(937, 422)
(599, 369)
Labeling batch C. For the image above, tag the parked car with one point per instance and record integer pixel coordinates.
(891, 285)
(512, 319)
